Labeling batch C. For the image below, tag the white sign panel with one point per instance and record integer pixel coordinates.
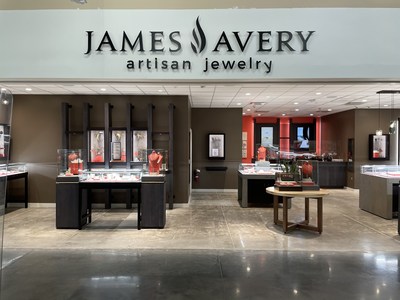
(228, 44)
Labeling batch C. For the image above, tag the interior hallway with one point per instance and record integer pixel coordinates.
(210, 248)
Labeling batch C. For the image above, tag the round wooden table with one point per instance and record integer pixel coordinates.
(307, 195)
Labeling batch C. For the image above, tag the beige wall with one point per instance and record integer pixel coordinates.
(191, 4)
(36, 134)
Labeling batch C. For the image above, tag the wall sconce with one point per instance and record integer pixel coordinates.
(379, 131)
(393, 122)
(5, 96)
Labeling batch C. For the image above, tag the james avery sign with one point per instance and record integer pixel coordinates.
(148, 50)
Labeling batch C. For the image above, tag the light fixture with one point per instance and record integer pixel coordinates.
(79, 1)
(393, 122)
(379, 131)
(5, 96)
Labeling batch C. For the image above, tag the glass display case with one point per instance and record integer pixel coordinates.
(260, 167)
(12, 168)
(157, 161)
(381, 170)
(111, 175)
(268, 153)
(71, 161)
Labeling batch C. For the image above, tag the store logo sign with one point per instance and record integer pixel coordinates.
(199, 38)
(261, 42)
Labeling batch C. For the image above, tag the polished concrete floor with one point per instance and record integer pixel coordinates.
(210, 248)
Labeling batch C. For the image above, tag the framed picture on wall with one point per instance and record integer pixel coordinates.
(267, 136)
(379, 146)
(216, 146)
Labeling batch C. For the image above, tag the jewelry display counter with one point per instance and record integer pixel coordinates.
(379, 186)
(253, 179)
(14, 171)
(74, 199)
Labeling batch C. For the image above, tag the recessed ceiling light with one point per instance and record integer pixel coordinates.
(103, 89)
(318, 93)
(385, 105)
(248, 109)
(244, 113)
(296, 103)
(238, 103)
(297, 109)
(248, 94)
(364, 100)
(28, 89)
(283, 114)
(160, 91)
(311, 115)
(258, 114)
(329, 109)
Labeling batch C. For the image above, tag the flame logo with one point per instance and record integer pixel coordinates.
(199, 38)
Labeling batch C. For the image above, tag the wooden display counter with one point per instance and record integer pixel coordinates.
(251, 188)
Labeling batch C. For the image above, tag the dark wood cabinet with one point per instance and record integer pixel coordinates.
(153, 204)
(70, 210)
(329, 174)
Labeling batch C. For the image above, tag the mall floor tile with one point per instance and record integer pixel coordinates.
(210, 248)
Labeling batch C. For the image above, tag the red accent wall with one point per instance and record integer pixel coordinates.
(248, 126)
(284, 128)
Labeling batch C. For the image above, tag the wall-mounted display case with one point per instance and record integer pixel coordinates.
(118, 146)
(96, 146)
(139, 145)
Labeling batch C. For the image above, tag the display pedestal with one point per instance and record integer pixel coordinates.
(153, 208)
(68, 212)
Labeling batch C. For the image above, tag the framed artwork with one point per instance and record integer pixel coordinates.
(139, 147)
(216, 146)
(379, 146)
(267, 136)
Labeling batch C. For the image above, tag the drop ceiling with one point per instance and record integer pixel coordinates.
(255, 99)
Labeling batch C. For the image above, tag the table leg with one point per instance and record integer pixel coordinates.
(285, 214)
(276, 205)
(307, 210)
(319, 214)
